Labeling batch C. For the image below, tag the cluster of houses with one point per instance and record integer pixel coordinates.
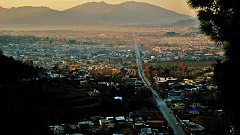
(137, 122)
(186, 99)
(189, 99)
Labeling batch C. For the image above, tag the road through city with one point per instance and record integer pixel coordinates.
(171, 119)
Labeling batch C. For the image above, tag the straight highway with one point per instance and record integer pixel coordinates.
(171, 119)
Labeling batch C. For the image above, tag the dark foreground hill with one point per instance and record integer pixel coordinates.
(30, 105)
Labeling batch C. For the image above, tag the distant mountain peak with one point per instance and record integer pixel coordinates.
(95, 3)
(2, 7)
(30, 7)
(131, 2)
(134, 3)
(102, 13)
(89, 5)
(102, 2)
(186, 23)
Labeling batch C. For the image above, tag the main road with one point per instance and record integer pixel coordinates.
(171, 119)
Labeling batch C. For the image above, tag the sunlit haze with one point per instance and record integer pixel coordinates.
(179, 6)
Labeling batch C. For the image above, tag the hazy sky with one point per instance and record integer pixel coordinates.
(179, 6)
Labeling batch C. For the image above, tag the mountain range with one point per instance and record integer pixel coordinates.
(186, 23)
(91, 13)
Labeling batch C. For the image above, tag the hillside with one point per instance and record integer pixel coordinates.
(91, 13)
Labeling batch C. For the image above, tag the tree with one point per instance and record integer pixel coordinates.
(182, 67)
(220, 19)
(1, 52)
(56, 67)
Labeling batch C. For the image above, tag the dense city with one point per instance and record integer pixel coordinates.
(122, 80)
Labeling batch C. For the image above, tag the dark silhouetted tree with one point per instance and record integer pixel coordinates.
(220, 19)
(1, 52)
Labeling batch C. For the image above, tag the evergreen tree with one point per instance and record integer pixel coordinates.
(220, 19)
